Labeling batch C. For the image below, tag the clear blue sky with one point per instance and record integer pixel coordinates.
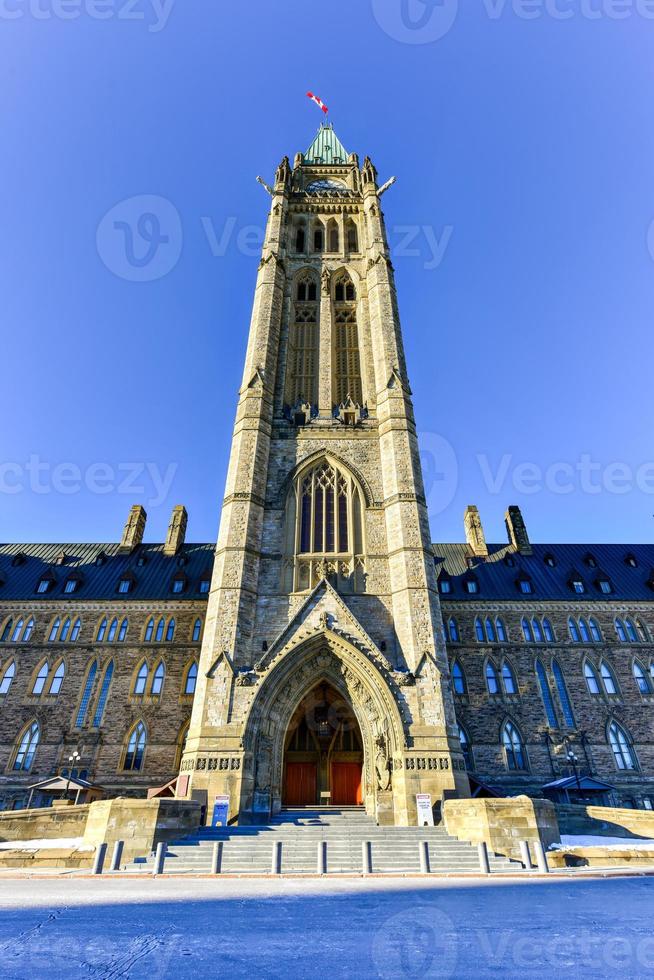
(524, 148)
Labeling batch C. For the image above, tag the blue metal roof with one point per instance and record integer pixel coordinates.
(326, 148)
(498, 578)
(99, 568)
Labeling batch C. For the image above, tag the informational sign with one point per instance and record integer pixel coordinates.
(220, 811)
(425, 812)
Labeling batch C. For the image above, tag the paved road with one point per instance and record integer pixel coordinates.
(113, 928)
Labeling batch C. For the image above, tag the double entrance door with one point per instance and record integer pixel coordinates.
(301, 784)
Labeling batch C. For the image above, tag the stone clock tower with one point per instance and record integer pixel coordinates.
(323, 676)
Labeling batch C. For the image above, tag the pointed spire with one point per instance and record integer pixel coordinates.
(326, 147)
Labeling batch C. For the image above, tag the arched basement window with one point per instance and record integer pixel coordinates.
(324, 530)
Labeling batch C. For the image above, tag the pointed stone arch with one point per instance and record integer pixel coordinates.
(323, 657)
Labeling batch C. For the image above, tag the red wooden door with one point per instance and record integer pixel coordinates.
(346, 783)
(300, 784)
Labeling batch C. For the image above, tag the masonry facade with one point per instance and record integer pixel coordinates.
(325, 651)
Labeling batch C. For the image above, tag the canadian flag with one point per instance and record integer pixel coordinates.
(319, 103)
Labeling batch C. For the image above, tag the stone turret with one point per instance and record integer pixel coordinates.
(176, 530)
(475, 532)
(134, 529)
(517, 531)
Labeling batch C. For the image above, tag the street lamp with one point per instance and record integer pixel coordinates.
(573, 760)
(73, 759)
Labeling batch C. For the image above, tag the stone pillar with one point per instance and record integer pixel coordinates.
(475, 532)
(133, 530)
(517, 531)
(176, 530)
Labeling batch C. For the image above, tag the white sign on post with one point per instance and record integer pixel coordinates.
(425, 812)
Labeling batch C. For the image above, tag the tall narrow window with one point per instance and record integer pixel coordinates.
(641, 678)
(113, 629)
(332, 236)
(102, 629)
(466, 748)
(346, 361)
(135, 748)
(122, 633)
(538, 632)
(610, 685)
(492, 680)
(508, 678)
(191, 678)
(548, 631)
(104, 694)
(631, 631)
(625, 757)
(453, 629)
(592, 680)
(7, 678)
(352, 236)
(490, 631)
(86, 695)
(65, 630)
(41, 678)
(300, 239)
(149, 629)
(58, 678)
(160, 630)
(197, 630)
(141, 679)
(170, 631)
(620, 631)
(74, 634)
(583, 630)
(6, 633)
(501, 630)
(458, 678)
(527, 631)
(158, 679)
(546, 694)
(27, 747)
(564, 698)
(514, 750)
(479, 631)
(54, 630)
(15, 636)
(573, 629)
(302, 359)
(318, 237)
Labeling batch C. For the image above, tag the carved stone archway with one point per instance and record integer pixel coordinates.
(327, 658)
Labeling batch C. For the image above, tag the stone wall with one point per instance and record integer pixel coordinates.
(141, 824)
(502, 823)
(604, 821)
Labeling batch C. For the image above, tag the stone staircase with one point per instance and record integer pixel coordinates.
(394, 850)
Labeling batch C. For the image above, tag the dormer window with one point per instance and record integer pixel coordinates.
(444, 585)
(577, 586)
(71, 585)
(19, 559)
(604, 586)
(141, 561)
(525, 585)
(178, 585)
(631, 561)
(203, 586)
(472, 586)
(550, 561)
(125, 585)
(509, 561)
(44, 585)
(590, 561)
(100, 558)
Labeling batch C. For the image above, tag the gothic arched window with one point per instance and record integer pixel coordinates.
(346, 360)
(324, 530)
(300, 239)
(302, 358)
(352, 236)
(546, 694)
(332, 236)
(27, 747)
(466, 748)
(104, 694)
(492, 681)
(135, 748)
(514, 749)
(86, 695)
(458, 678)
(453, 629)
(7, 678)
(318, 237)
(621, 744)
(564, 697)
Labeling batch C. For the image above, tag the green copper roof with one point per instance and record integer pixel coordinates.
(326, 148)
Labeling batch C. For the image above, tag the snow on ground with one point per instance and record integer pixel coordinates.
(615, 843)
(288, 928)
(46, 843)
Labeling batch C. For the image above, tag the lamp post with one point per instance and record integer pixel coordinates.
(573, 760)
(73, 759)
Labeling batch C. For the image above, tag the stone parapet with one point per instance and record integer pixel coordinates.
(502, 823)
